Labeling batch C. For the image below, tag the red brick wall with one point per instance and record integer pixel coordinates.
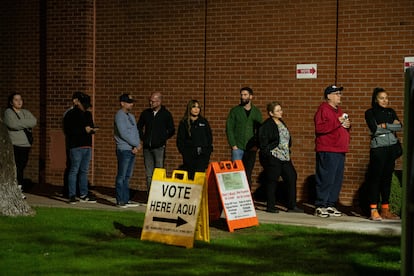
(146, 46)
(69, 68)
(20, 63)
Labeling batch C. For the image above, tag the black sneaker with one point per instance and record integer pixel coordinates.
(72, 200)
(88, 199)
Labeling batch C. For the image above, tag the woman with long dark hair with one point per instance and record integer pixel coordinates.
(383, 123)
(194, 139)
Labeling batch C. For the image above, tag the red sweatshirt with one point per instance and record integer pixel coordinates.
(330, 135)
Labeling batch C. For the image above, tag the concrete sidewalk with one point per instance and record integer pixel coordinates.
(353, 222)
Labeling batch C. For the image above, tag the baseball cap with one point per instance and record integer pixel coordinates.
(77, 95)
(85, 100)
(332, 88)
(126, 98)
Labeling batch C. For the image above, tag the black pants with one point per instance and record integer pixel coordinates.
(274, 168)
(21, 157)
(249, 159)
(195, 163)
(380, 169)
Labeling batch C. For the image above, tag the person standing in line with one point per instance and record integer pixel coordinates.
(331, 144)
(127, 146)
(155, 126)
(383, 123)
(79, 128)
(242, 124)
(275, 142)
(19, 122)
(75, 102)
(194, 140)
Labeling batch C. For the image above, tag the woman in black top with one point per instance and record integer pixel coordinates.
(382, 122)
(194, 140)
(275, 142)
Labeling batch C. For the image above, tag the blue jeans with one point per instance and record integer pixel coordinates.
(237, 154)
(329, 176)
(126, 162)
(248, 158)
(79, 160)
(153, 158)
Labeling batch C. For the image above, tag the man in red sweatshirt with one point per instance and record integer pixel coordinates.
(331, 145)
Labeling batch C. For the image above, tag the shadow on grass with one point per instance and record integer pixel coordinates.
(128, 231)
(91, 242)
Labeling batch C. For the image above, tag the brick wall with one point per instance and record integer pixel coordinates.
(172, 47)
(20, 63)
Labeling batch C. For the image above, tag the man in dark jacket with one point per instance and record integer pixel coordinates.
(78, 126)
(155, 126)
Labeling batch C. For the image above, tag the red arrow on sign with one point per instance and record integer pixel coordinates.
(306, 71)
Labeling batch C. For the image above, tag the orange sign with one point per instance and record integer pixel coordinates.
(233, 188)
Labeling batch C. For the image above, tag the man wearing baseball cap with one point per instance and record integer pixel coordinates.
(331, 144)
(127, 145)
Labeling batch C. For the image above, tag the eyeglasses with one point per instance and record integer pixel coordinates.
(339, 93)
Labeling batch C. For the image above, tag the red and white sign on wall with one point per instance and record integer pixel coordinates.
(306, 71)
(408, 62)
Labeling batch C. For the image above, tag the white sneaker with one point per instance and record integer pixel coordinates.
(132, 204)
(332, 211)
(321, 212)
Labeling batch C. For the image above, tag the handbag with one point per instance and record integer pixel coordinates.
(398, 150)
(29, 135)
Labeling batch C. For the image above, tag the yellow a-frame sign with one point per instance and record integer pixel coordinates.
(176, 209)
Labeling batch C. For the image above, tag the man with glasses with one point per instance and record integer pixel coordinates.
(155, 127)
(331, 144)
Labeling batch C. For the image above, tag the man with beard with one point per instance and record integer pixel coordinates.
(242, 124)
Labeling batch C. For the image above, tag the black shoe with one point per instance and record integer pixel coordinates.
(272, 210)
(295, 210)
(73, 200)
(89, 199)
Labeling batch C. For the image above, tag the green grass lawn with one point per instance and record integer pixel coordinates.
(92, 242)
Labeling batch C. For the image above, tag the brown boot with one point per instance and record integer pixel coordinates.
(386, 214)
(375, 216)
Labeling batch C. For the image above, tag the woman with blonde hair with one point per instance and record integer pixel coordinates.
(275, 142)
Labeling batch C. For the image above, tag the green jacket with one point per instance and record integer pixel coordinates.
(241, 129)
